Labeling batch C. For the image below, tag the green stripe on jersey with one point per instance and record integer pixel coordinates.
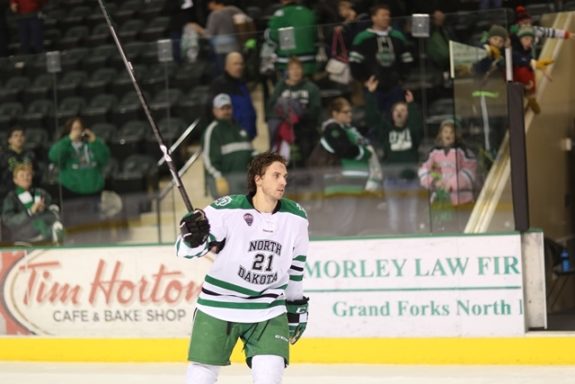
(231, 287)
(296, 278)
(300, 258)
(224, 304)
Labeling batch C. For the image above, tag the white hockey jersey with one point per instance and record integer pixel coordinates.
(262, 261)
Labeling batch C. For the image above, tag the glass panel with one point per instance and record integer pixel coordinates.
(176, 78)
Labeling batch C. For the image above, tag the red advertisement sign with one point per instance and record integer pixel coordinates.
(136, 291)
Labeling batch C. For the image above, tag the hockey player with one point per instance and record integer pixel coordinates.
(261, 241)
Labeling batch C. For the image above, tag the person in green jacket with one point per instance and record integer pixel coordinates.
(292, 30)
(227, 151)
(80, 157)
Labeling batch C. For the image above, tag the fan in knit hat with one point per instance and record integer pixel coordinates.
(526, 30)
(498, 30)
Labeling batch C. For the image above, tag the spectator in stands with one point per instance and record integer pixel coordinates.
(524, 65)
(490, 76)
(292, 30)
(181, 13)
(397, 144)
(349, 167)
(522, 18)
(80, 157)
(398, 140)
(30, 24)
(28, 213)
(232, 84)
(294, 110)
(4, 40)
(450, 174)
(220, 29)
(14, 155)
(227, 150)
(383, 52)
(354, 21)
(438, 44)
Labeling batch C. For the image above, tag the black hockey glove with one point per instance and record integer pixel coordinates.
(297, 318)
(194, 228)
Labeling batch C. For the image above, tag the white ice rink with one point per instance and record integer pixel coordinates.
(97, 373)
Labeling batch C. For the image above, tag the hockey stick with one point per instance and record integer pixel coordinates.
(142, 98)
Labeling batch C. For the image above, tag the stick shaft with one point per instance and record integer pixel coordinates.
(157, 133)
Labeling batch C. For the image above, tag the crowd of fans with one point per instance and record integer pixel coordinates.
(364, 143)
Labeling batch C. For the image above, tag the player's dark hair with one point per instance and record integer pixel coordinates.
(258, 167)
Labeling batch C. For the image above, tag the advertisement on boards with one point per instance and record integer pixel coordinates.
(122, 291)
(407, 287)
(416, 287)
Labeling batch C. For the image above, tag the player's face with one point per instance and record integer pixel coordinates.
(274, 180)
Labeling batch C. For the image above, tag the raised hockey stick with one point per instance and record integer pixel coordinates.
(142, 98)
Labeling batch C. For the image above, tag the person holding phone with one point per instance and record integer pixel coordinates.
(80, 157)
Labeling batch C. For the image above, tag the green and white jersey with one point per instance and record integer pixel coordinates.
(261, 263)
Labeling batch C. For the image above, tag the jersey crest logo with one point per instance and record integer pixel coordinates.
(249, 219)
(223, 201)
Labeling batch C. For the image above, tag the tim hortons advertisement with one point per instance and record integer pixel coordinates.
(124, 292)
(407, 287)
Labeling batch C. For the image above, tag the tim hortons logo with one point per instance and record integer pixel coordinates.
(107, 286)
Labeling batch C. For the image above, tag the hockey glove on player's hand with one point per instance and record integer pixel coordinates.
(297, 318)
(194, 228)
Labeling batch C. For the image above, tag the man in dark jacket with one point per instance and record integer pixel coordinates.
(383, 52)
(231, 83)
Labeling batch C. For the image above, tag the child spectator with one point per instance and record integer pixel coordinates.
(14, 155)
(450, 174)
(522, 18)
(524, 65)
(490, 75)
(28, 213)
